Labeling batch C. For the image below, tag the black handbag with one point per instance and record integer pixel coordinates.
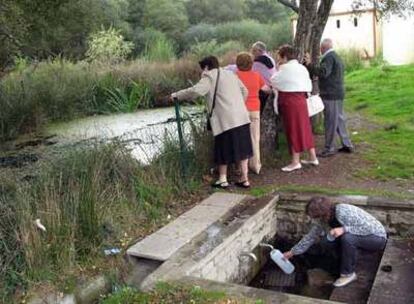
(214, 102)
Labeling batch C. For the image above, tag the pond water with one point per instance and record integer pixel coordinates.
(142, 132)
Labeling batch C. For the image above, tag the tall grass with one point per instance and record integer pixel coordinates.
(245, 32)
(89, 199)
(61, 90)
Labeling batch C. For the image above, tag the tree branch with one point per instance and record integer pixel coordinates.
(291, 4)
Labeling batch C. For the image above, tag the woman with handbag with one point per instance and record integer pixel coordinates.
(228, 116)
(292, 83)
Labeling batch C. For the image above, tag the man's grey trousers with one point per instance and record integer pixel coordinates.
(334, 120)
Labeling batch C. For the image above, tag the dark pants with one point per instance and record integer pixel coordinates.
(263, 97)
(350, 243)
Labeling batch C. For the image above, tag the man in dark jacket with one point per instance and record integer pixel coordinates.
(330, 72)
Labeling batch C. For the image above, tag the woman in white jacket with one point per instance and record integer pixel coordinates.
(229, 118)
(291, 84)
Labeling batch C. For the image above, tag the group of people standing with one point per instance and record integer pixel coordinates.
(236, 96)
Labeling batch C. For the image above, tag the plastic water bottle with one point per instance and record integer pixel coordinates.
(282, 262)
(330, 237)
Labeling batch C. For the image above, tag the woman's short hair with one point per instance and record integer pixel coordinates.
(287, 51)
(211, 62)
(320, 207)
(244, 61)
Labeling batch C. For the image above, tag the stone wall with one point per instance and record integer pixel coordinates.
(292, 223)
(222, 257)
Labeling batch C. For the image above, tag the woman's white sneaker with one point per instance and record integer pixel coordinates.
(345, 279)
(291, 168)
(310, 162)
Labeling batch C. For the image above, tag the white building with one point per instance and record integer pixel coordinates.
(364, 30)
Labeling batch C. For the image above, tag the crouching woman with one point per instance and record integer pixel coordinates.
(229, 118)
(348, 225)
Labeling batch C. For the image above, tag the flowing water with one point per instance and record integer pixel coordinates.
(143, 132)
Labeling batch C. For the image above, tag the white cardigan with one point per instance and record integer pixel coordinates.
(291, 77)
(230, 110)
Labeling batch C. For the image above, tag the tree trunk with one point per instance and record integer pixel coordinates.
(269, 130)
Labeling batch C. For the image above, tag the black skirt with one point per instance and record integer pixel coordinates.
(233, 145)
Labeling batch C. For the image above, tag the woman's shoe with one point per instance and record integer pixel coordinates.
(310, 162)
(292, 168)
(244, 184)
(220, 185)
(344, 280)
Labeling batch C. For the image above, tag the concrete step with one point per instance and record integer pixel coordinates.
(358, 291)
(394, 280)
(162, 244)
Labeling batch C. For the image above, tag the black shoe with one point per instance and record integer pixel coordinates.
(220, 185)
(326, 153)
(245, 184)
(346, 149)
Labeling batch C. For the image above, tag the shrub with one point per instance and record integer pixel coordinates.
(108, 46)
(206, 48)
(352, 59)
(245, 32)
(160, 49)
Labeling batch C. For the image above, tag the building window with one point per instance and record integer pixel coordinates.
(338, 23)
(355, 22)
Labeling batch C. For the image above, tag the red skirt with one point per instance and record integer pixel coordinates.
(296, 121)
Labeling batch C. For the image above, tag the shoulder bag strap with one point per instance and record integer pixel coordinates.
(215, 93)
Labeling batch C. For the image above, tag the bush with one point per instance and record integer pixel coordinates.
(245, 32)
(159, 50)
(108, 46)
(352, 59)
(206, 48)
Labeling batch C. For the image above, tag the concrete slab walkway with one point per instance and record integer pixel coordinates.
(162, 244)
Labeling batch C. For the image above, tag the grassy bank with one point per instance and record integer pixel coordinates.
(34, 95)
(170, 294)
(89, 200)
(385, 95)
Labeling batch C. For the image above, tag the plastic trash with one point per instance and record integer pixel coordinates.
(282, 262)
(112, 251)
(40, 225)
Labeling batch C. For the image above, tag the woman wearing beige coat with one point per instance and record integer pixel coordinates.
(229, 120)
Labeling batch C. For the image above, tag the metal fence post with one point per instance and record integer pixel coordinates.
(180, 137)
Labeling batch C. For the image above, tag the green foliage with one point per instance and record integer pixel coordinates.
(166, 15)
(168, 294)
(352, 59)
(119, 100)
(58, 90)
(160, 49)
(108, 46)
(215, 11)
(266, 11)
(203, 49)
(88, 198)
(385, 94)
(245, 32)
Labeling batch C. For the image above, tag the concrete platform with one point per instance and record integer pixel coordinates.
(162, 244)
(358, 291)
(395, 286)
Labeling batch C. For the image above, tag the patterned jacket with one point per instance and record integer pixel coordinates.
(353, 219)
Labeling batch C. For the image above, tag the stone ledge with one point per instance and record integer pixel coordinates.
(162, 244)
(239, 291)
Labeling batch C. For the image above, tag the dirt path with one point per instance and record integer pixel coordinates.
(342, 171)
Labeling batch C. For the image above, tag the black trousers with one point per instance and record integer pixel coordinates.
(350, 244)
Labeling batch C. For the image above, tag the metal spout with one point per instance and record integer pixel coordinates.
(266, 245)
(248, 254)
